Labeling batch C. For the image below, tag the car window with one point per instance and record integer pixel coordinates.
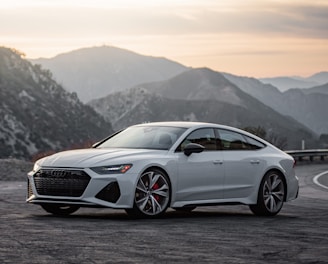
(254, 144)
(145, 137)
(204, 137)
(231, 140)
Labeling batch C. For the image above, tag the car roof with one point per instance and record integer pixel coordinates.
(184, 124)
(187, 124)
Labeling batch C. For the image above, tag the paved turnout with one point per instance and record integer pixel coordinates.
(222, 234)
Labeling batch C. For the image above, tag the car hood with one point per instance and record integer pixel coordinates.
(96, 157)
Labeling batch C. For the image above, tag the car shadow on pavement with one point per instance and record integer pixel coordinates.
(120, 215)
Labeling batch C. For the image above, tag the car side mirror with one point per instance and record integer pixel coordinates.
(193, 148)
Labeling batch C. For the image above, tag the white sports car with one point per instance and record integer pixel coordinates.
(147, 168)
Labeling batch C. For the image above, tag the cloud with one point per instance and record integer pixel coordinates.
(213, 33)
(290, 18)
(302, 20)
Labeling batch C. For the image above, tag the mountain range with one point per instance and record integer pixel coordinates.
(307, 106)
(198, 95)
(38, 115)
(310, 109)
(284, 83)
(90, 72)
(41, 108)
(96, 72)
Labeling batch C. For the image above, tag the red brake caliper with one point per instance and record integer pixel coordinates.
(155, 187)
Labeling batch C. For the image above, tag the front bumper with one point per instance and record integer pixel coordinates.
(80, 186)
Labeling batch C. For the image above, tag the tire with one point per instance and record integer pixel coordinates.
(60, 209)
(271, 195)
(152, 195)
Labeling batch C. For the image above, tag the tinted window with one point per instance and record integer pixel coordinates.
(254, 144)
(204, 137)
(231, 140)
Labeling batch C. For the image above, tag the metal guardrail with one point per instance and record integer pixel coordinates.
(308, 154)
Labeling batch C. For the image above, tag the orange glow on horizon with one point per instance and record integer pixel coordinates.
(244, 37)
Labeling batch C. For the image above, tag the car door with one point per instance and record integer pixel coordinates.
(243, 163)
(200, 175)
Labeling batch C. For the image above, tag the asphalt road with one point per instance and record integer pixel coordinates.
(222, 234)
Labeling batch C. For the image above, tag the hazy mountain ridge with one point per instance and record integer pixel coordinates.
(284, 83)
(321, 89)
(112, 69)
(197, 84)
(38, 114)
(310, 109)
(96, 72)
(172, 100)
(307, 106)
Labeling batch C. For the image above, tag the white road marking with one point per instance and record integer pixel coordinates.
(316, 181)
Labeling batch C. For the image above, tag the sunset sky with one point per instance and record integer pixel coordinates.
(259, 38)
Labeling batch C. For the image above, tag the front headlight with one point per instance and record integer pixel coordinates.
(36, 167)
(114, 169)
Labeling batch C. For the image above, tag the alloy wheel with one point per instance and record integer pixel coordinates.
(152, 193)
(273, 193)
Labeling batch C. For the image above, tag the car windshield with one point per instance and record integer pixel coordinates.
(145, 137)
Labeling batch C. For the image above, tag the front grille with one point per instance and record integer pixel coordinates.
(56, 182)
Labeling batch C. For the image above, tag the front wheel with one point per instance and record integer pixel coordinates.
(60, 209)
(271, 195)
(152, 195)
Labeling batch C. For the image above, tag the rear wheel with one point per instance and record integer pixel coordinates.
(152, 195)
(271, 195)
(60, 209)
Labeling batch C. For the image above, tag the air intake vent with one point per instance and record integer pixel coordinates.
(110, 193)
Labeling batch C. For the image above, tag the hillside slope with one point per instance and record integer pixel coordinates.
(38, 115)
